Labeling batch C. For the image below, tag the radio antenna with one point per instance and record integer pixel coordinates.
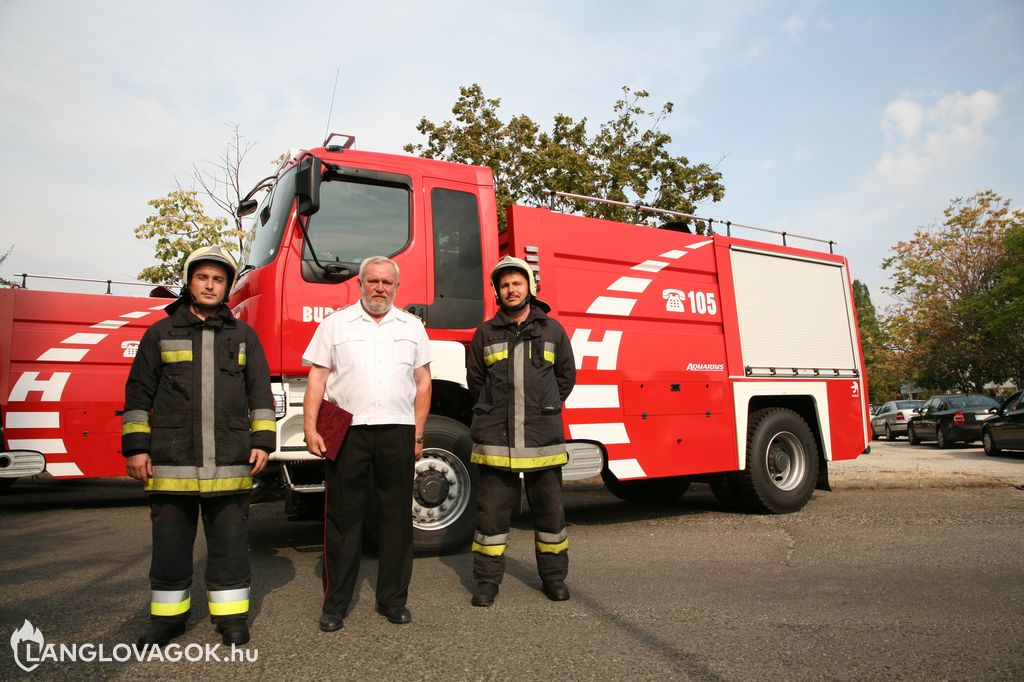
(327, 130)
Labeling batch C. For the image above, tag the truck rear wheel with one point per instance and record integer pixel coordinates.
(782, 462)
(444, 496)
(667, 489)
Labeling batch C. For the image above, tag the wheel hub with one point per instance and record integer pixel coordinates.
(431, 488)
(441, 488)
(785, 461)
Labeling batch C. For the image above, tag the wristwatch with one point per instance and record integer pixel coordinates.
(419, 440)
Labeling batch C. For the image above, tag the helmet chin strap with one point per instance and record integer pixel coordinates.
(199, 306)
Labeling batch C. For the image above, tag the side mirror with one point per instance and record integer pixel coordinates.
(307, 186)
(246, 207)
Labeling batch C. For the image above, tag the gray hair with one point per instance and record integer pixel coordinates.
(366, 262)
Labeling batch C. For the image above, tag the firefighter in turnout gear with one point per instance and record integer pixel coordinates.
(520, 369)
(198, 424)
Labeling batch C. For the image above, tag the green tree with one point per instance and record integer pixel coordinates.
(3, 281)
(179, 225)
(626, 160)
(882, 373)
(1002, 310)
(941, 280)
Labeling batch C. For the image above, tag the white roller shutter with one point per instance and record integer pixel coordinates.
(793, 313)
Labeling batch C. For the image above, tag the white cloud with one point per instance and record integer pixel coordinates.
(922, 140)
(794, 25)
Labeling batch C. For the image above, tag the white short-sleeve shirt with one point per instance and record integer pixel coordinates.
(371, 363)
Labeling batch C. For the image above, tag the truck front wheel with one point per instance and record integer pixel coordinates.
(444, 490)
(667, 489)
(782, 462)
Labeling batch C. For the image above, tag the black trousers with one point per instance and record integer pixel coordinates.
(175, 519)
(498, 491)
(379, 460)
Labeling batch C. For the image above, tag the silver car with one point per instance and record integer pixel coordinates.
(891, 419)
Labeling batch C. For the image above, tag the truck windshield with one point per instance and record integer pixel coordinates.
(356, 219)
(265, 238)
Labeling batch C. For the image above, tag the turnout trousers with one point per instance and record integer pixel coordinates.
(379, 459)
(498, 492)
(175, 519)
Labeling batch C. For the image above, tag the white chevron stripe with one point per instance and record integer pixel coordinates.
(586, 396)
(650, 266)
(32, 420)
(610, 305)
(47, 446)
(632, 285)
(64, 354)
(85, 339)
(626, 468)
(63, 469)
(608, 434)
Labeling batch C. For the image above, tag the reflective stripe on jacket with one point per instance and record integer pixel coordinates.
(520, 375)
(198, 401)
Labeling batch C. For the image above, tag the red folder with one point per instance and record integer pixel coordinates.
(332, 424)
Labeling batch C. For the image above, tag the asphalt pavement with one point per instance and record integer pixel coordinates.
(910, 569)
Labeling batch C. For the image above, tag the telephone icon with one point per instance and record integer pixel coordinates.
(131, 348)
(674, 300)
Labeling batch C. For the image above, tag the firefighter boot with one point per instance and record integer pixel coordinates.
(233, 631)
(160, 631)
(484, 594)
(555, 590)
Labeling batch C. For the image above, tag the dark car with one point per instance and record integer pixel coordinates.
(1005, 430)
(891, 418)
(949, 419)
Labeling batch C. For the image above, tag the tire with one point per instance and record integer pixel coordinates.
(444, 502)
(782, 462)
(6, 483)
(941, 440)
(912, 435)
(888, 433)
(646, 490)
(989, 443)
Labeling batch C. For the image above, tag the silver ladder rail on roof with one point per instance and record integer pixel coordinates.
(664, 211)
(24, 281)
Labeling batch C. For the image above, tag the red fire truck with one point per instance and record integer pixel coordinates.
(703, 357)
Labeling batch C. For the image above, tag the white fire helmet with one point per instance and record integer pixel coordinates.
(510, 262)
(215, 254)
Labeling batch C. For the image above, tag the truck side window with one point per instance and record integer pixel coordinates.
(458, 269)
(356, 219)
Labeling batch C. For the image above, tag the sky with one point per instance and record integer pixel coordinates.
(852, 121)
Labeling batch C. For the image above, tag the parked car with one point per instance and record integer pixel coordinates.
(1005, 429)
(949, 419)
(891, 419)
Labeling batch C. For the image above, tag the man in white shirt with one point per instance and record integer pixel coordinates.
(371, 359)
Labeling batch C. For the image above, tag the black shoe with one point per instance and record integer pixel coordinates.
(555, 590)
(484, 594)
(161, 632)
(233, 631)
(331, 623)
(399, 615)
